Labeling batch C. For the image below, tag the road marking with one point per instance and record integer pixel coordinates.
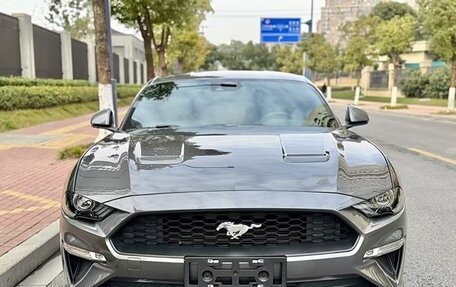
(47, 203)
(433, 155)
(29, 197)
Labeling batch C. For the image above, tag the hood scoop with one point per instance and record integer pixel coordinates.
(159, 157)
(303, 148)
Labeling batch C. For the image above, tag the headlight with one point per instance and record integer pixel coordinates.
(389, 202)
(78, 206)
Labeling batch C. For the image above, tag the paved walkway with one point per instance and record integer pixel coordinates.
(415, 110)
(32, 177)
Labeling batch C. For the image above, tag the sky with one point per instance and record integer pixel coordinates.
(231, 20)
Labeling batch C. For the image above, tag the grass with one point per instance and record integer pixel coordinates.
(73, 152)
(349, 95)
(396, 107)
(10, 120)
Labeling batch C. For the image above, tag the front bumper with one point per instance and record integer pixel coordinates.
(368, 260)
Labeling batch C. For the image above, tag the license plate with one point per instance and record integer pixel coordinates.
(235, 272)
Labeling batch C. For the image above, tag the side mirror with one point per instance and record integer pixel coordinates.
(355, 117)
(103, 119)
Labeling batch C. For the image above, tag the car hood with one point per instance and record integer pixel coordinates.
(165, 161)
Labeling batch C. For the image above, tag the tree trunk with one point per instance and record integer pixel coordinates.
(162, 61)
(358, 78)
(453, 74)
(452, 91)
(101, 42)
(105, 91)
(149, 58)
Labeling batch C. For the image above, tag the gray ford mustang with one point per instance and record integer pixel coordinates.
(233, 179)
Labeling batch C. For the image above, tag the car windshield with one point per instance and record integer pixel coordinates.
(196, 103)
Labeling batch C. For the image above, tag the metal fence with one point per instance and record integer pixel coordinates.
(32, 51)
(79, 59)
(135, 73)
(116, 72)
(378, 80)
(126, 73)
(48, 53)
(10, 58)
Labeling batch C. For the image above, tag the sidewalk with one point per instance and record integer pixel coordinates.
(414, 110)
(32, 178)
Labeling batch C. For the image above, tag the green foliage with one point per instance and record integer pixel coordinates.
(414, 83)
(359, 50)
(18, 81)
(73, 152)
(439, 17)
(322, 56)
(395, 36)
(35, 97)
(241, 56)
(189, 48)
(439, 84)
(389, 10)
(434, 85)
(73, 16)
(289, 59)
(158, 19)
(10, 120)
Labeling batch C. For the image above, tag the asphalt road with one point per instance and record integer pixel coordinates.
(423, 151)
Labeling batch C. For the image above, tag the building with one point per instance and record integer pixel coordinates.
(336, 13)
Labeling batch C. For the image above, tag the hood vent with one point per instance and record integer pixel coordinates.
(159, 159)
(303, 148)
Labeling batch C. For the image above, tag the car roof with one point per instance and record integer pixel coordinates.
(265, 75)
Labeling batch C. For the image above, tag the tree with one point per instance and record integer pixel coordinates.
(393, 38)
(322, 56)
(388, 10)
(102, 57)
(440, 23)
(359, 50)
(74, 16)
(189, 49)
(240, 56)
(156, 19)
(289, 59)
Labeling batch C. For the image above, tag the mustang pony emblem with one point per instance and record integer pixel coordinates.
(236, 230)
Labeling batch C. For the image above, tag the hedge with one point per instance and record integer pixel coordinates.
(36, 97)
(434, 85)
(18, 81)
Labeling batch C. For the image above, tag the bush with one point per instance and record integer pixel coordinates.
(18, 81)
(73, 152)
(434, 85)
(439, 84)
(23, 97)
(414, 83)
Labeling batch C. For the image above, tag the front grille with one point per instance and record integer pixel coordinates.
(198, 229)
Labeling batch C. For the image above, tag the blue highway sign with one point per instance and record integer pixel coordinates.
(280, 30)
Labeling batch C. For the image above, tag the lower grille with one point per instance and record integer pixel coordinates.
(342, 282)
(198, 229)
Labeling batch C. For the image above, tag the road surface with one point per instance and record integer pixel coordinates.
(423, 150)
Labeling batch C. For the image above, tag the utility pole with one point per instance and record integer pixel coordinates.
(306, 72)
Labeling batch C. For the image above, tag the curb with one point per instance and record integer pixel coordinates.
(20, 261)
